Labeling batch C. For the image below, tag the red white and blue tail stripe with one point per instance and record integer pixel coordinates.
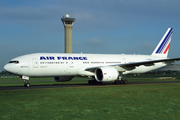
(163, 46)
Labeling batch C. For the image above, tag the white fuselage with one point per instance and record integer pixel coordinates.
(56, 64)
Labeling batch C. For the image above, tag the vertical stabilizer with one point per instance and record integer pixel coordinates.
(162, 48)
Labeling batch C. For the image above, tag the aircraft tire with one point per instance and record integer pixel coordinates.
(118, 82)
(26, 85)
(121, 82)
(125, 81)
(90, 82)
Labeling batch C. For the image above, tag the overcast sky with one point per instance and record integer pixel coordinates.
(101, 26)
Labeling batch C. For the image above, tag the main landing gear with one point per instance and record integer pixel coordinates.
(120, 80)
(26, 84)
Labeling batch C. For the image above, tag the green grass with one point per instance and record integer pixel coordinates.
(16, 81)
(134, 102)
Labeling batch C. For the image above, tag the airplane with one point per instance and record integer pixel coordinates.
(100, 67)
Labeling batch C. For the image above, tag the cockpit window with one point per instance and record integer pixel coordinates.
(14, 61)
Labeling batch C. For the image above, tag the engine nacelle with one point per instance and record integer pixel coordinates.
(63, 78)
(105, 74)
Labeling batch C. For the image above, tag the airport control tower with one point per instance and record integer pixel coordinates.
(68, 23)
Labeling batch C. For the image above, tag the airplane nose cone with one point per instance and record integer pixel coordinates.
(11, 68)
(6, 67)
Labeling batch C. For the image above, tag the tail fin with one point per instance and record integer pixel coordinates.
(162, 48)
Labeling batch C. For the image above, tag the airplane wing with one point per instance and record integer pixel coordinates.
(133, 65)
(149, 63)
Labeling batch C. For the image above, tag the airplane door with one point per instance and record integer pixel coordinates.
(71, 64)
(69, 67)
(35, 63)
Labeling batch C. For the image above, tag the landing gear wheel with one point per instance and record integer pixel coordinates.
(121, 82)
(26, 85)
(117, 82)
(90, 82)
(125, 81)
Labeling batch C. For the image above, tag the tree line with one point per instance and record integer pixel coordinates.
(4, 73)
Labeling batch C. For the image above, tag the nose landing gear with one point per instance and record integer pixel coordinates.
(26, 80)
(26, 84)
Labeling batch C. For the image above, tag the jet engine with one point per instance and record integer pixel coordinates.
(63, 78)
(105, 74)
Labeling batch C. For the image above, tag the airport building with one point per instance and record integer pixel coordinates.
(68, 23)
